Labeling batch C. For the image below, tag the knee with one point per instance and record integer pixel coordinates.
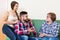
(45, 38)
(13, 38)
(24, 37)
(4, 26)
(53, 38)
(34, 38)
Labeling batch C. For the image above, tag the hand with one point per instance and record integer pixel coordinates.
(16, 21)
(29, 29)
(42, 35)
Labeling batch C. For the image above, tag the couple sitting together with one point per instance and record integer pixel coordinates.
(22, 29)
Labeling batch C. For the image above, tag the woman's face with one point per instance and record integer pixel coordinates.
(16, 7)
(48, 19)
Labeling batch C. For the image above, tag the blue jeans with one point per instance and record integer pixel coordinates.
(25, 37)
(8, 31)
(48, 38)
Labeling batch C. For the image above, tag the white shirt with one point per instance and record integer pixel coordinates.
(11, 18)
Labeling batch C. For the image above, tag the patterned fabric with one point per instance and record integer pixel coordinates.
(21, 28)
(52, 29)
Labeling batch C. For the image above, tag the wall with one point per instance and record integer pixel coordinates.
(3, 8)
(38, 9)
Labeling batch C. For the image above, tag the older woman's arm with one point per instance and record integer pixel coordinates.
(54, 33)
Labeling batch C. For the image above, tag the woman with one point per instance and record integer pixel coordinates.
(10, 18)
(50, 28)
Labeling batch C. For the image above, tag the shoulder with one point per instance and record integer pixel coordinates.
(6, 13)
(44, 23)
(56, 24)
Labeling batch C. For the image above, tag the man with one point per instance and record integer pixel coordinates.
(24, 27)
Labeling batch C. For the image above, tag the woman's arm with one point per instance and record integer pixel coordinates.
(55, 31)
(5, 18)
(43, 34)
(49, 35)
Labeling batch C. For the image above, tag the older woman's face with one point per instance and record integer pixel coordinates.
(16, 7)
(48, 18)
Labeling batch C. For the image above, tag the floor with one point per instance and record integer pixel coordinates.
(2, 36)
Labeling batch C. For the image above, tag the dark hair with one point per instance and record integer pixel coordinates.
(52, 16)
(13, 4)
(23, 13)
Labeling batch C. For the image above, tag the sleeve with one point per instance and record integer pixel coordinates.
(41, 28)
(22, 30)
(56, 30)
(33, 28)
(18, 28)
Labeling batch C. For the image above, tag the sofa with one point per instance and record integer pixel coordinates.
(37, 23)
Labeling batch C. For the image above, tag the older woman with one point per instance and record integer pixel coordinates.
(50, 28)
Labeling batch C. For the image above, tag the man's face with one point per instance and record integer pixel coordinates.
(25, 17)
